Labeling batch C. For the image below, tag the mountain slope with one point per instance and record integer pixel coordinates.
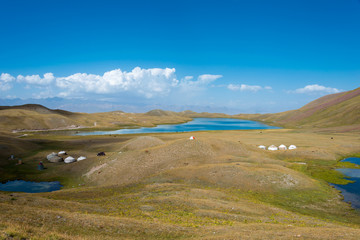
(37, 117)
(340, 109)
(39, 109)
(40, 118)
(160, 113)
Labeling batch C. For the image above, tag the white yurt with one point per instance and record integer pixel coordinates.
(292, 147)
(273, 148)
(282, 147)
(262, 147)
(81, 158)
(51, 155)
(55, 159)
(192, 138)
(62, 153)
(69, 159)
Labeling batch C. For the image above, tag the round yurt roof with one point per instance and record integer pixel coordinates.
(81, 158)
(51, 155)
(292, 147)
(69, 159)
(262, 147)
(55, 159)
(273, 147)
(282, 147)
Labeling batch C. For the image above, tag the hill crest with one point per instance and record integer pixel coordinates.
(339, 109)
(38, 108)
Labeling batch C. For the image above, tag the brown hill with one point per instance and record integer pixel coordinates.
(192, 114)
(32, 107)
(159, 113)
(39, 109)
(37, 117)
(334, 110)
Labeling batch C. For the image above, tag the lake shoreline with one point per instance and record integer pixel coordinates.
(348, 191)
(207, 124)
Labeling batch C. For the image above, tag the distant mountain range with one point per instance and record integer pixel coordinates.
(335, 110)
(107, 105)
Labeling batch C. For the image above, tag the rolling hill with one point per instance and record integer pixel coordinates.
(334, 110)
(35, 117)
(340, 111)
(165, 186)
(39, 109)
(38, 117)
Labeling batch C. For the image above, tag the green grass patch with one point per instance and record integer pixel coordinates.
(325, 170)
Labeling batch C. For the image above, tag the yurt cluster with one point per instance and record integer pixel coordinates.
(274, 148)
(62, 156)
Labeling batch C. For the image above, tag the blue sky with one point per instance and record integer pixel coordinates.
(222, 56)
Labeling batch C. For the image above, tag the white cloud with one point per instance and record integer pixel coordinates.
(202, 82)
(48, 77)
(36, 79)
(208, 78)
(5, 77)
(5, 80)
(146, 82)
(315, 88)
(244, 87)
(4, 86)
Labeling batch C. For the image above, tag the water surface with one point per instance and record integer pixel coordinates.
(351, 191)
(198, 124)
(29, 187)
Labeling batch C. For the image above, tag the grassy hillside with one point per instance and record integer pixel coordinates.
(39, 109)
(188, 113)
(340, 109)
(165, 186)
(331, 111)
(37, 117)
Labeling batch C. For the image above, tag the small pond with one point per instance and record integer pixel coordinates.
(351, 191)
(29, 187)
(198, 124)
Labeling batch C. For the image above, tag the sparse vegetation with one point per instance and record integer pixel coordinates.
(164, 186)
(334, 113)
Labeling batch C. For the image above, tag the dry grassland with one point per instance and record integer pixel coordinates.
(39, 118)
(164, 186)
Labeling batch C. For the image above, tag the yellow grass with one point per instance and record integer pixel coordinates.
(164, 186)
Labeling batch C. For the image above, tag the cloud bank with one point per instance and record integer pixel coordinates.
(147, 83)
(315, 88)
(5, 80)
(36, 79)
(187, 84)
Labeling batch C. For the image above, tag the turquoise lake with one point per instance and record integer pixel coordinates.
(351, 191)
(30, 187)
(198, 124)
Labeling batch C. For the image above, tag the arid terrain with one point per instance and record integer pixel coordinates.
(338, 112)
(165, 186)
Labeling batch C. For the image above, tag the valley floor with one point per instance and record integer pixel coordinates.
(165, 186)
